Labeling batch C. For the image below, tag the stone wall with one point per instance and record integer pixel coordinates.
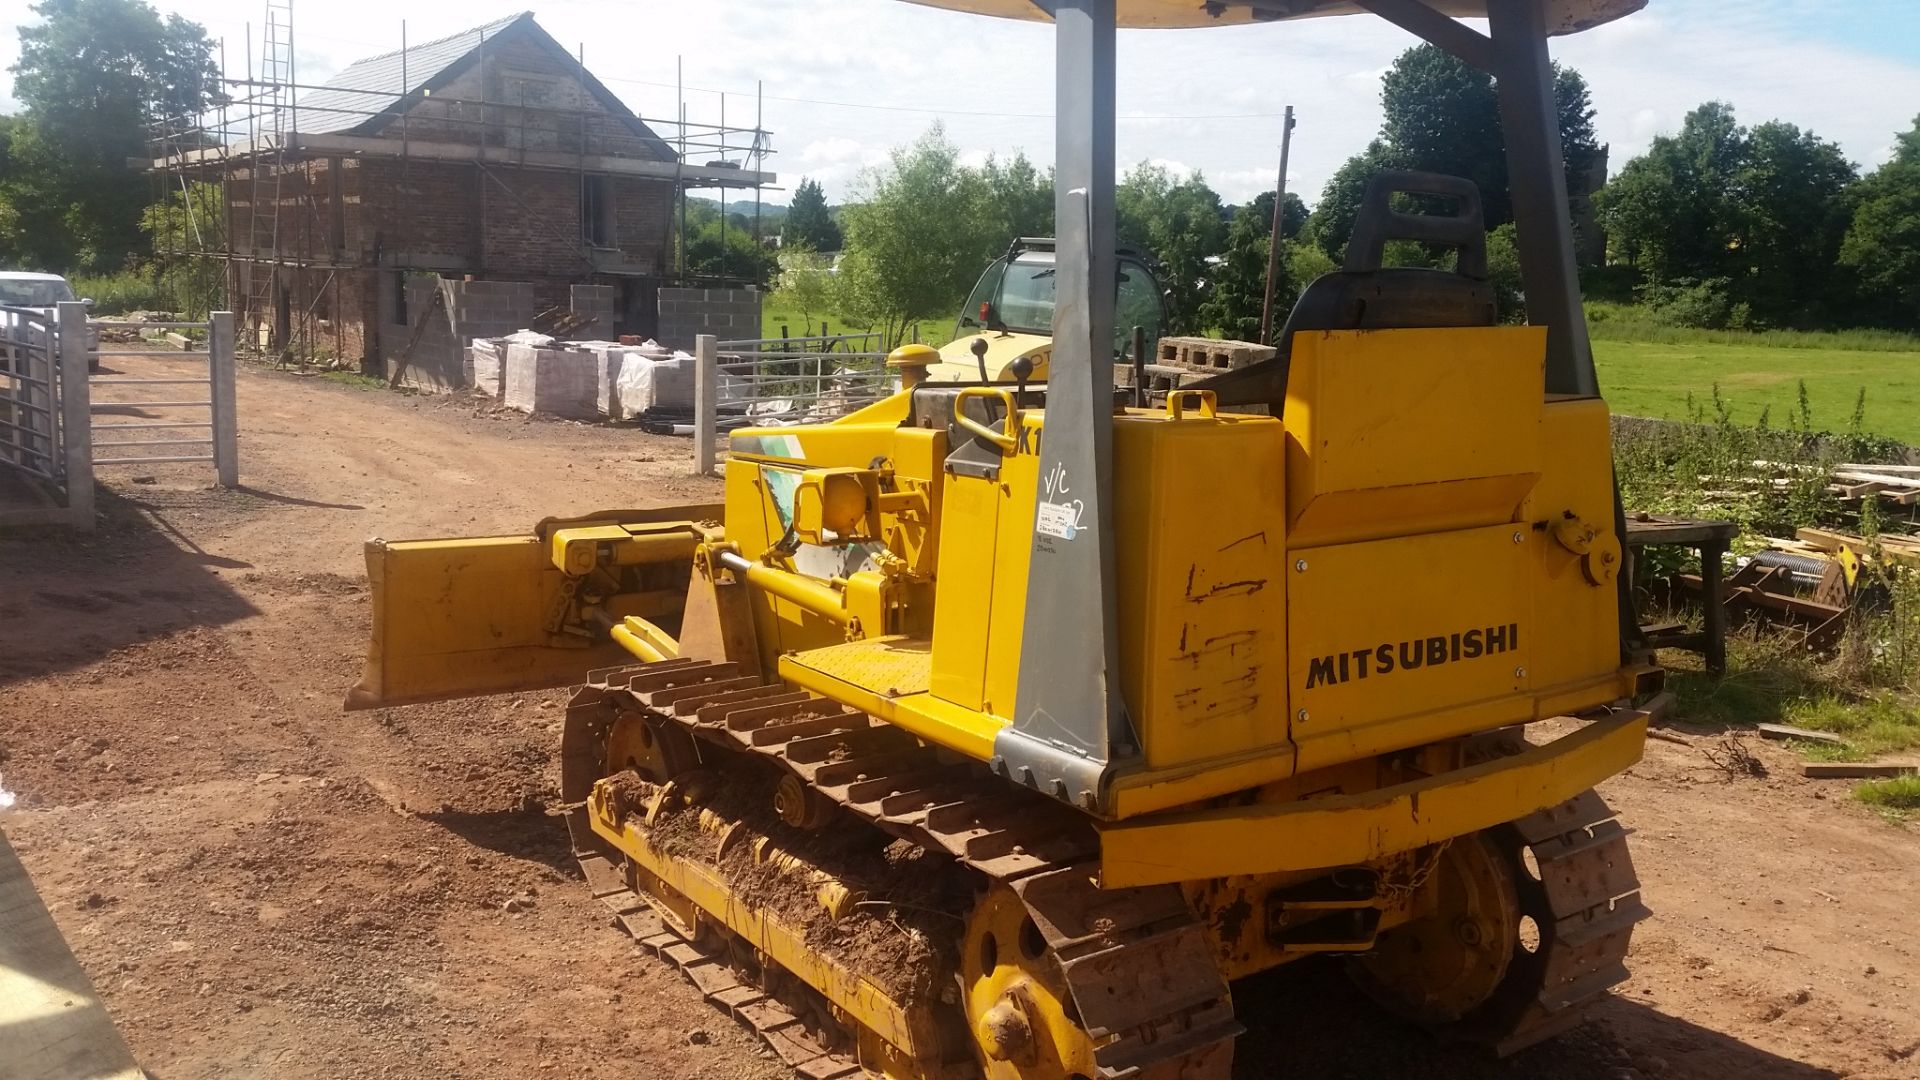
(729, 314)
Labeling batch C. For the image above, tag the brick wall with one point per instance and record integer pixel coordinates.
(523, 95)
(523, 222)
(729, 314)
(643, 222)
(420, 213)
(532, 224)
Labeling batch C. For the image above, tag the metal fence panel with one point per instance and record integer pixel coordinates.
(775, 382)
(221, 425)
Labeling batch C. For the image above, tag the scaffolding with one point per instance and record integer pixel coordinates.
(286, 261)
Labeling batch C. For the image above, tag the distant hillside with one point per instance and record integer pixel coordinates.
(771, 214)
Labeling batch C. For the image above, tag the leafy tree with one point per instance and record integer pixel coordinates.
(1734, 226)
(807, 284)
(1790, 195)
(918, 241)
(1022, 197)
(1180, 222)
(1443, 115)
(92, 76)
(1238, 284)
(724, 247)
(1668, 212)
(808, 224)
(1503, 272)
(1332, 222)
(1579, 143)
(9, 195)
(192, 219)
(1306, 262)
(1882, 245)
(1239, 280)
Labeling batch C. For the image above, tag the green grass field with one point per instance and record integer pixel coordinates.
(1650, 370)
(773, 318)
(1644, 379)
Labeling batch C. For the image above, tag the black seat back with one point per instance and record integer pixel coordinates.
(1364, 295)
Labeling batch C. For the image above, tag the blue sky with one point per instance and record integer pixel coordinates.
(1886, 28)
(847, 79)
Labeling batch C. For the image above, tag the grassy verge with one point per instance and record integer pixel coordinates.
(1897, 797)
(354, 379)
(1771, 680)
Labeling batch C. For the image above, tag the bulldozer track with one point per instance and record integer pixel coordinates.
(1138, 964)
(1584, 904)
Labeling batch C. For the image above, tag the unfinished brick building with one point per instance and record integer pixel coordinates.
(491, 155)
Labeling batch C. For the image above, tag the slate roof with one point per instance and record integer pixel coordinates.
(374, 85)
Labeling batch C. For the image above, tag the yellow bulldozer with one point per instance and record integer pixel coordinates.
(999, 727)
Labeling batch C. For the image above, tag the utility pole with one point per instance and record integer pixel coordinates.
(1279, 218)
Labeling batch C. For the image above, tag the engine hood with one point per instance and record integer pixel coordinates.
(957, 363)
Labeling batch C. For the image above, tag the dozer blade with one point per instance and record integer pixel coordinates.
(465, 617)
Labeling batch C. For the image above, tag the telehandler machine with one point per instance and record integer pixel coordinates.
(1011, 311)
(999, 727)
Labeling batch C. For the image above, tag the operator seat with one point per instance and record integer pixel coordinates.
(1364, 295)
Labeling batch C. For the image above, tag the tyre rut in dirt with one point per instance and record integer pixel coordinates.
(1138, 964)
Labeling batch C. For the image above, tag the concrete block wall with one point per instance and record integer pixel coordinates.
(729, 314)
(602, 302)
(475, 309)
(484, 309)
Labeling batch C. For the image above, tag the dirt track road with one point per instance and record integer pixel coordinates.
(264, 886)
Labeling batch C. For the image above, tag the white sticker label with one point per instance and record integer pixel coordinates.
(1058, 519)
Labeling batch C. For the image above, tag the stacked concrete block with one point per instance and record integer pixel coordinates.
(608, 360)
(1211, 355)
(552, 382)
(485, 365)
(728, 314)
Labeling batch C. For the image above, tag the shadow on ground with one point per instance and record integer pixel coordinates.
(1307, 1019)
(529, 834)
(67, 598)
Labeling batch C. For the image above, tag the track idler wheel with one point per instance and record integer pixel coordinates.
(1438, 969)
(654, 750)
(1529, 927)
(1019, 1008)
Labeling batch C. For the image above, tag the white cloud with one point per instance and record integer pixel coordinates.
(1213, 96)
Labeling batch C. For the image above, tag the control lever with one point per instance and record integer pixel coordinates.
(1022, 368)
(979, 348)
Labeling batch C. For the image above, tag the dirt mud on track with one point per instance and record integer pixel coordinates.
(262, 885)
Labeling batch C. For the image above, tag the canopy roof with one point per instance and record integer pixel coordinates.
(1562, 16)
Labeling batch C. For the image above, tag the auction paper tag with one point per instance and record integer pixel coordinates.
(1057, 519)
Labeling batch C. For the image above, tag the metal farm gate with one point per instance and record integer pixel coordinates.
(196, 423)
(46, 468)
